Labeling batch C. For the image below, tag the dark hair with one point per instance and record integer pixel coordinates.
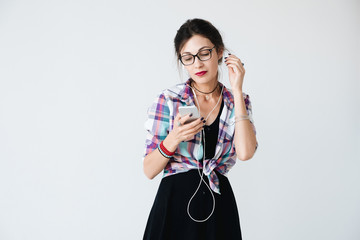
(201, 27)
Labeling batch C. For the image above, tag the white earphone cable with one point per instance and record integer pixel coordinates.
(202, 172)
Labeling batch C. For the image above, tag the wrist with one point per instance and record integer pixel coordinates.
(237, 92)
(170, 143)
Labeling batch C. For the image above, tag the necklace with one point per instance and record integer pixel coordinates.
(206, 96)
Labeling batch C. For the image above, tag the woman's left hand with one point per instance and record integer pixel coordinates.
(236, 72)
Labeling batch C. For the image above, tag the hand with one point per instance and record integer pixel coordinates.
(183, 131)
(236, 72)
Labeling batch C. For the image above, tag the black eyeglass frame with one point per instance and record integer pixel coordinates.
(196, 55)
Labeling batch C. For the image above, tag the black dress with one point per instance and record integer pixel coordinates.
(168, 217)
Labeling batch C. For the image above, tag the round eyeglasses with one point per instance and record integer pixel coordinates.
(202, 55)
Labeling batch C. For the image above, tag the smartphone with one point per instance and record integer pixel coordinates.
(184, 110)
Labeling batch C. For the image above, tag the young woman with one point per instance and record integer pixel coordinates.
(195, 199)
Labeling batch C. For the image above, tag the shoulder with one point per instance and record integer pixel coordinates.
(171, 93)
(166, 97)
(175, 91)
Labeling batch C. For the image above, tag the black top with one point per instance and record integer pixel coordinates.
(211, 135)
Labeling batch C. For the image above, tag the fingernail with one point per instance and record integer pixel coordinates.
(190, 115)
(226, 57)
(229, 53)
(243, 64)
(204, 121)
(202, 118)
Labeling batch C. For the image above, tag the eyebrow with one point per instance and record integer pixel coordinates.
(198, 50)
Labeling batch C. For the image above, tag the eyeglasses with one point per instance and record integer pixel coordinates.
(202, 55)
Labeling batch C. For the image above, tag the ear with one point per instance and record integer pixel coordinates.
(220, 54)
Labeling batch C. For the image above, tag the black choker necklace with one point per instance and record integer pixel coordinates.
(206, 92)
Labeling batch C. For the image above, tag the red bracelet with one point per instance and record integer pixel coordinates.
(163, 148)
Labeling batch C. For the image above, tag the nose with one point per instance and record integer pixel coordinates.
(197, 62)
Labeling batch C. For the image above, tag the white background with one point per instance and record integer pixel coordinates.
(76, 78)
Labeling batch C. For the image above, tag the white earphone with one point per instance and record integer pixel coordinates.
(202, 133)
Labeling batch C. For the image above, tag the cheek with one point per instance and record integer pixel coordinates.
(215, 66)
(188, 70)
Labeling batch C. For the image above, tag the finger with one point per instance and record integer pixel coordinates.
(190, 135)
(184, 118)
(177, 120)
(234, 60)
(177, 117)
(234, 67)
(232, 56)
(236, 63)
(193, 131)
(188, 124)
(193, 123)
(200, 127)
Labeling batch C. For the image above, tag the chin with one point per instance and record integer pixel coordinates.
(202, 80)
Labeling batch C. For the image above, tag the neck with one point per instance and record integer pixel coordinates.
(205, 87)
(211, 92)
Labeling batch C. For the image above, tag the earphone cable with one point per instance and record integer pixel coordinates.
(202, 136)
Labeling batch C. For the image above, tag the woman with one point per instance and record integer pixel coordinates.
(195, 199)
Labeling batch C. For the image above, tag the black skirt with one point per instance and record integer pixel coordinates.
(169, 218)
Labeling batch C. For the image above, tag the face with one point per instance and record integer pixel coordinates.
(193, 46)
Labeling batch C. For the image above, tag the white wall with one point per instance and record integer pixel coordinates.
(76, 78)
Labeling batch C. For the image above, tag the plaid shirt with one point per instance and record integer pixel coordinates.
(161, 115)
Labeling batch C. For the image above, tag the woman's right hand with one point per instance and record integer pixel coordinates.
(182, 131)
(155, 162)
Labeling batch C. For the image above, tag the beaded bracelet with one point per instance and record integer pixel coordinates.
(162, 153)
(166, 153)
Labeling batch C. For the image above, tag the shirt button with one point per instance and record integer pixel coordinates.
(203, 192)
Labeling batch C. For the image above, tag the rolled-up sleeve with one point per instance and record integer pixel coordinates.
(249, 112)
(157, 124)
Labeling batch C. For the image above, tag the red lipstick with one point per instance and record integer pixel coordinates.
(200, 73)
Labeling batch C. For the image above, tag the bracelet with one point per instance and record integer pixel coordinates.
(242, 117)
(166, 153)
(162, 153)
(163, 148)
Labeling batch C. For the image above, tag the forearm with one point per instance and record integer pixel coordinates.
(244, 138)
(155, 162)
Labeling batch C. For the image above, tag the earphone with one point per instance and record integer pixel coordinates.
(202, 133)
